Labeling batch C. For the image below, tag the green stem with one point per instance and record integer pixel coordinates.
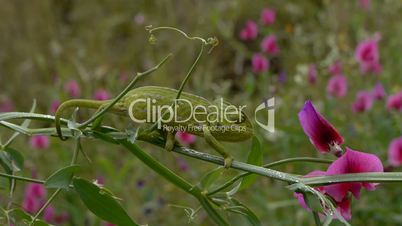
(45, 206)
(53, 196)
(269, 165)
(313, 181)
(26, 179)
(317, 220)
(174, 179)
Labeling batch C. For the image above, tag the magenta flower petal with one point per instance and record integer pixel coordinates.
(101, 94)
(321, 133)
(37, 191)
(364, 4)
(312, 74)
(394, 102)
(53, 107)
(337, 86)
(335, 68)
(352, 162)
(395, 152)
(300, 197)
(72, 88)
(269, 45)
(6, 106)
(48, 214)
(259, 63)
(378, 91)
(39, 142)
(343, 207)
(363, 102)
(31, 205)
(367, 55)
(268, 16)
(185, 138)
(249, 31)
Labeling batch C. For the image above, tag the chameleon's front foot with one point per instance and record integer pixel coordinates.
(170, 140)
(227, 162)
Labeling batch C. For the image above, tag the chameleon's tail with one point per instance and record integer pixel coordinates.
(93, 104)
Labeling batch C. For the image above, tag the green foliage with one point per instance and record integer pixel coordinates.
(101, 203)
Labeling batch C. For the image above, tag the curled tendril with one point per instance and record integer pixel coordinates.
(212, 41)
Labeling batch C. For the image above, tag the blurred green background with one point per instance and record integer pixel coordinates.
(102, 44)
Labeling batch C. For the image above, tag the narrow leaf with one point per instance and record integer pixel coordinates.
(211, 177)
(256, 158)
(62, 177)
(101, 203)
(16, 157)
(245, 211)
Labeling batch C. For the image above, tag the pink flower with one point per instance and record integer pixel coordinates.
(37, 191)
(269, 45)
(259, 63)
(34, 197)
(395, 152)
(394, 102)
(249, 31)
(139, 19)
(31, 205)
(39, 142)
(300, 197)
(352, 162)
(268, 16)
(343, 207)
(48, 214)
(6, 106)
(53, 107)
(72, 88)
(378, 91)
(337, 86)
(363, 102)
(185, 138)
(61, 218)
(183, 165)
(312, 74)
(320, 132)
(335, 68)
(101, 94)
(367, 55)
(364, 4)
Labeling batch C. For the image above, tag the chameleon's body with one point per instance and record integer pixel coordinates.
(166, 96)
(163, 96)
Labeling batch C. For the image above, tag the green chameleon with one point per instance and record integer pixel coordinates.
(240, 128)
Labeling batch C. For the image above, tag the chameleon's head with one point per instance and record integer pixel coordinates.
(235, 127)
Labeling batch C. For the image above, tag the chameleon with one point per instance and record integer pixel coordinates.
(240, 127)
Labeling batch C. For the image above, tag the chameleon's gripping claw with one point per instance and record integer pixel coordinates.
(170, 140)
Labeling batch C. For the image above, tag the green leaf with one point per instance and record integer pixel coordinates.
(256, 158)
(234, 190)
(101, 203)
(24, 124)
(62, 177)
(245, 211)
(21, 216)
(5, 162)
(16, 157)
(312, 201)
(211, 177)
